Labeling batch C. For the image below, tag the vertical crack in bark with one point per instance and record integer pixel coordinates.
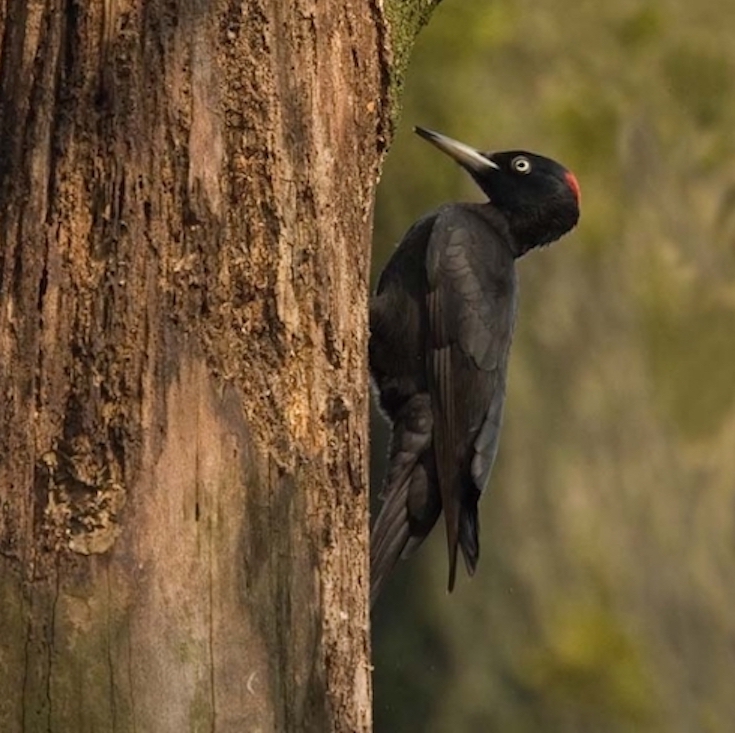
(210, 529)
(26, 610)
(12, 117)
(42, 288)
(50, 643)
(58, 38)
(213, 699)
(131, 681)
(110, 656)
(205, 531)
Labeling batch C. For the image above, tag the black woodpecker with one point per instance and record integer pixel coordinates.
(441, 323)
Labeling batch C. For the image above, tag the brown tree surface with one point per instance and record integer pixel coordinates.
(186, 193)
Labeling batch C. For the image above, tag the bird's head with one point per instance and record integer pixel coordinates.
(539, 197)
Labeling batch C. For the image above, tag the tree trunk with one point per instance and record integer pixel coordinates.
(186, 192)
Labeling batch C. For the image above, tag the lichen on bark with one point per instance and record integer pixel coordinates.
(404, 21)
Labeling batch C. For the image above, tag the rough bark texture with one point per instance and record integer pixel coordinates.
(185, 196)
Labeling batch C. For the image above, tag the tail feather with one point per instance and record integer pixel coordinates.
(452, 552)
(404, 491)
(408, 515)
(469, 537)
(388, 539)
(393, 516)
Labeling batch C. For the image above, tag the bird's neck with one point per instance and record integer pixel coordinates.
(526, 229)
(536, 228)
(520, 233)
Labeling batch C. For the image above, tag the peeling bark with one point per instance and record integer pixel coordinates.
(186, 192)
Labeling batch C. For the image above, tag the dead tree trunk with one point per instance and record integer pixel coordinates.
(186, 192)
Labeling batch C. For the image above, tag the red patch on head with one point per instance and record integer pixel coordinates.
(574, 185)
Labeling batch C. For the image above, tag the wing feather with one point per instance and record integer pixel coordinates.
(471, 309)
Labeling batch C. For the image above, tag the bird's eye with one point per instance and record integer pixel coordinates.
(521, 164)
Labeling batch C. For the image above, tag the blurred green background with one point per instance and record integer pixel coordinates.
(605, 596)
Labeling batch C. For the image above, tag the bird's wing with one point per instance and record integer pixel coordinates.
(470, 303)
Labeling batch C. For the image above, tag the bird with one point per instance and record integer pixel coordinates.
(441, 323)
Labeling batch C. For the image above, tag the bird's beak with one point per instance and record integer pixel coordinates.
(473, 160)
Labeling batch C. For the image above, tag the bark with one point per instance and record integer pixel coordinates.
(186, 190)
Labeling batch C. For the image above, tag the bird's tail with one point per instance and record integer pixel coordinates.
(406, 475)
(388, 539)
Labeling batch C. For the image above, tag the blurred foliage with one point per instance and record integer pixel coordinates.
(604, 597)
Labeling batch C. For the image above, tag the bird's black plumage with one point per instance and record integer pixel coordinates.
(441, 323)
